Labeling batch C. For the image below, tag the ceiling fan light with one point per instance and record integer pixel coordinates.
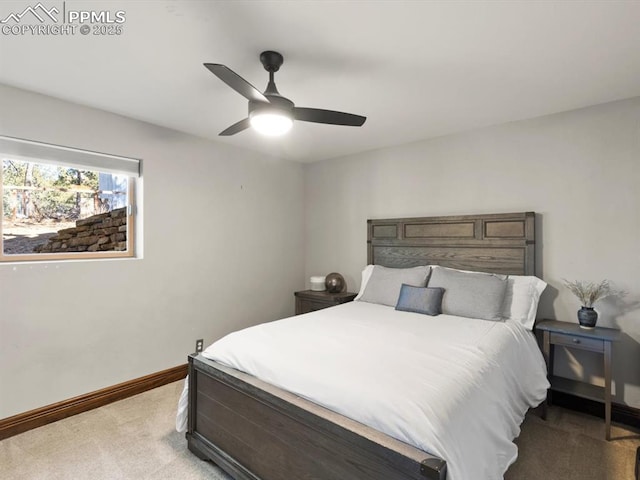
(271, 124)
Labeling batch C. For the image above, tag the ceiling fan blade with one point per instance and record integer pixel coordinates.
(236, 82)
(331, 117)
(235, 128)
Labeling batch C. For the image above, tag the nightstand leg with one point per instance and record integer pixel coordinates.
(607, 390)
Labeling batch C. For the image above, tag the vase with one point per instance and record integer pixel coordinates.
(335, 283)
(587, 317)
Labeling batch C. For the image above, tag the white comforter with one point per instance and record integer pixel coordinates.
(455, 387)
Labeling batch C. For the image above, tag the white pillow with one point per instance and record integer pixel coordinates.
(521, 299)
(366, 275)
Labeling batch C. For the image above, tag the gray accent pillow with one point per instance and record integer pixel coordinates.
(425, 300)
(384, 284)
(470, 294)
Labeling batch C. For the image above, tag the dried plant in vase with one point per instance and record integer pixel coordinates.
(588, 293)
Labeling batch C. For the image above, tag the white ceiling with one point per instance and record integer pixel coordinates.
(416, 69)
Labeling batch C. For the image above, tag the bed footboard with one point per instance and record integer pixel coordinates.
(255, 431)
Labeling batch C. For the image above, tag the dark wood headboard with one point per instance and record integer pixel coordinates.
(501, 243)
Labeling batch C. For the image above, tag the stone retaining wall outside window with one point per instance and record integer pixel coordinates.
(99, 233)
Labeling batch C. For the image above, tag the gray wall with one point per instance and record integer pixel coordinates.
(210, 214)
(210, 211)
(579, 170)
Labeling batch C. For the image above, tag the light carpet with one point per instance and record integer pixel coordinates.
(136, 439)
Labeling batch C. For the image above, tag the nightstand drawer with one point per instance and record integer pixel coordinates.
(593, 344)
(310, 301)
(311, 306)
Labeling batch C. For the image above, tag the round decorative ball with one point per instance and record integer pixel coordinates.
(335, 283)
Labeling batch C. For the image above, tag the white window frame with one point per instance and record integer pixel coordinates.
(44, 153)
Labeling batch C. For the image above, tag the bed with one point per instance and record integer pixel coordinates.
(254, 429)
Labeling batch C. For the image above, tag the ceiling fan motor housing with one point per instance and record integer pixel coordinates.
(277, 104)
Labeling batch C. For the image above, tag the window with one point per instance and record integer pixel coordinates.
(64, 203)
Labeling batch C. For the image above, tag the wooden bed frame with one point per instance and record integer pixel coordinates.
(255, 431)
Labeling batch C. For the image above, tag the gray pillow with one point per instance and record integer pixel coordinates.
(425, 300)
(384, 284)
(470, 294)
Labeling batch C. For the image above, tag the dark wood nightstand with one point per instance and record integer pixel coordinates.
(310, 300)
(570, 335)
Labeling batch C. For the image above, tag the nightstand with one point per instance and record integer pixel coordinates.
(598, 340)
(310, 300)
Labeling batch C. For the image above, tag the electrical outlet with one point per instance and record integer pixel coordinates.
(199, 345)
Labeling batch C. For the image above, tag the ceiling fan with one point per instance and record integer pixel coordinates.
(270, 113)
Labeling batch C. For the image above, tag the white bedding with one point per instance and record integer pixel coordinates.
(455, 387)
